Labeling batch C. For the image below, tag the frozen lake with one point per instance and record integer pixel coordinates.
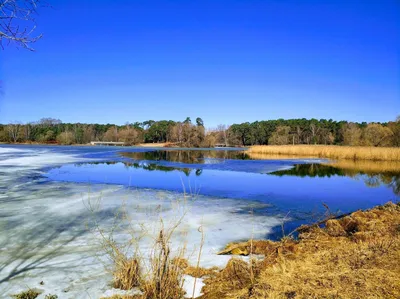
(53, 199)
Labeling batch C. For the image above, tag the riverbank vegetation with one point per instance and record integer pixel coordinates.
(194, 134)
(327, 151)
(356, 256)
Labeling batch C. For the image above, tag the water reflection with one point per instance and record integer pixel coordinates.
(371, 175)
(146, 166)
(186, 156)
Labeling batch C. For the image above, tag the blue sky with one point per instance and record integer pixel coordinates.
(225, 61)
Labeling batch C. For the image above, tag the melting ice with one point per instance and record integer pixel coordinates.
(48, 229)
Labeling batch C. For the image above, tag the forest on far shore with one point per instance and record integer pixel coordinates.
(194, 134)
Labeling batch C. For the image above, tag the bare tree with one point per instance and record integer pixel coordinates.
(88, 134)
(351, 134)
(27, 131)
(13, 131)
(280, 136)
(111, 134)
(314, 131)
(17, 22)
(377, 135)
(299, 132)
(48, 121)
(222, 134)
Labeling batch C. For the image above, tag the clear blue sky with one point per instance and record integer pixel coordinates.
(225, 61)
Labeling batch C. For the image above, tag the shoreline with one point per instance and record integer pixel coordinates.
(148, 145)
(271, 152)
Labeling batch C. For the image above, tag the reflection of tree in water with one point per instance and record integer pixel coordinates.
(310, 170)
(372, 181)
(377, 180)
(370, 178)
(186, 156)
(395, 184)
(146, 166)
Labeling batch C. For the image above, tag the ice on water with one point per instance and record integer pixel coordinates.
(48, 229)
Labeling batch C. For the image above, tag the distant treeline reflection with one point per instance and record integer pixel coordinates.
(147, 166)
(371, 178)
(186, 156)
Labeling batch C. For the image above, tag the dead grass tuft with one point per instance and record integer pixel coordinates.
(231, 282)
(29, 294)
(198, 272)
(165, 278)
(127, 273)
(264, 247)
(122, 297)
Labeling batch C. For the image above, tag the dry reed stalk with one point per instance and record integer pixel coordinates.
(165, 278)
(154, 272)
(198, 258)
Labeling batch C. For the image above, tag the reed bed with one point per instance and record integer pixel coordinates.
(327, 151)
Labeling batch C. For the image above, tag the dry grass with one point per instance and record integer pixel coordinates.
(326, 151)
(165, 277)
(163, 144)
(126, 273)
(198, 272)
(357, 256)
(29, 294)
(122, 297)
(152, 269)
(162, 277)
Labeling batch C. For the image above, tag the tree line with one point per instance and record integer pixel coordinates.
(193, 134)
(313, 131)
(54, 131)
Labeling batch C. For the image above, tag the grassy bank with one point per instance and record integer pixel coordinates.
(327, 151)
(354, 257)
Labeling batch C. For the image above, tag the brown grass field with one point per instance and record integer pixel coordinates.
(326, 151)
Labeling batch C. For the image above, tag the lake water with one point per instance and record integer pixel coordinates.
(50, 196)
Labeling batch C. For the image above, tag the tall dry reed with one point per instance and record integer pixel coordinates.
(144, 259)
(326, 151)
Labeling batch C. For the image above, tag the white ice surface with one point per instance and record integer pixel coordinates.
(48, 233)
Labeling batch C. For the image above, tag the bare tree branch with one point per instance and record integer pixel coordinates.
(17, 23)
